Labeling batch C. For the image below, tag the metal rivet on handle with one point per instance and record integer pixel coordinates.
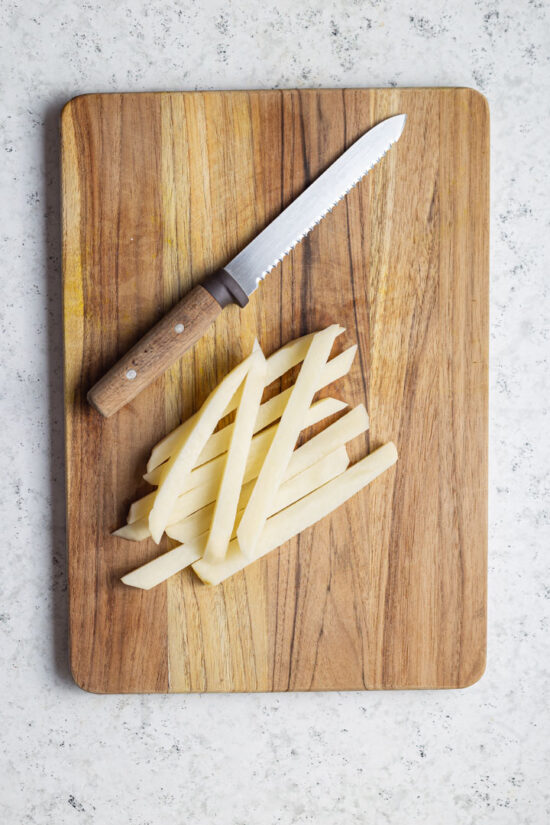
(131, 374)
(179, 328)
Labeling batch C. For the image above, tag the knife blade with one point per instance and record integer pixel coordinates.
(182, 327)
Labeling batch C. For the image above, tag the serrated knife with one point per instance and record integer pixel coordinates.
(182, 327)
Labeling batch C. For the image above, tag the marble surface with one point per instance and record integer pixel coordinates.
(473, 756)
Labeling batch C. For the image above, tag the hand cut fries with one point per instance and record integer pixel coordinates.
(269, 412)
(234, 495)
(280, 450)
(305, 512)
(276, 365)
(291, 490)
(225, 506)
(193, 531)
(203, 482)
(189, 448)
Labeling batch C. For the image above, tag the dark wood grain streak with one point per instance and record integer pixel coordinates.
(158, 191)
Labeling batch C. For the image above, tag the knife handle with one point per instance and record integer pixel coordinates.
(173, 335)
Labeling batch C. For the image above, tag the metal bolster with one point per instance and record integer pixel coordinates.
(225, 289)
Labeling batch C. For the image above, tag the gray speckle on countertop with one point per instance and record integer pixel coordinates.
(475, 756)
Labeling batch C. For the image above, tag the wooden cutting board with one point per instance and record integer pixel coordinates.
(160, 189)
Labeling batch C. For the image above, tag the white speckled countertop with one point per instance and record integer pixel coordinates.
(473, 756)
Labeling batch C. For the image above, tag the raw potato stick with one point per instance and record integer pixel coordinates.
(167, 565)
(185, 457)
(269, 412)
(297, 486)
(218, 442)
(277, 364)
(225, 507)
(280, 451)
(340, 432)
(136, 531)
(290, 491)
(188, 503)
(351, 424)
(288, 523)
(309, 454)
(161, 568)
(212, 469)
(141, 507)
(162, 451)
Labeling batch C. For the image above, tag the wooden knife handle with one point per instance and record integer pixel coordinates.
(165, 342)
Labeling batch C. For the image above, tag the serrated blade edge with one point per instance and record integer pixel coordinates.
(271, 245)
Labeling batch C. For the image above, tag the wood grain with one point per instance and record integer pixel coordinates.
(158, 191)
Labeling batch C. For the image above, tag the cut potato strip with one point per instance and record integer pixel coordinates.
(141, 507)
(276, 365)
(291, 354)
(260, 444)
(269, 412)
(340, 432)
(218, 442)
(351, 425)
(292, 490)
(161, 568)
(162, 451)
(188, 503)
(234, 495)
(280, 451)
(310, 509)
(215, 467)
(310, 478)
(138, 530)
(195, 528)
(198, 503)
(227, 500)
(197, 523)
(189, 448)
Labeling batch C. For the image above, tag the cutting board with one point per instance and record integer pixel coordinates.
(161, 189)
